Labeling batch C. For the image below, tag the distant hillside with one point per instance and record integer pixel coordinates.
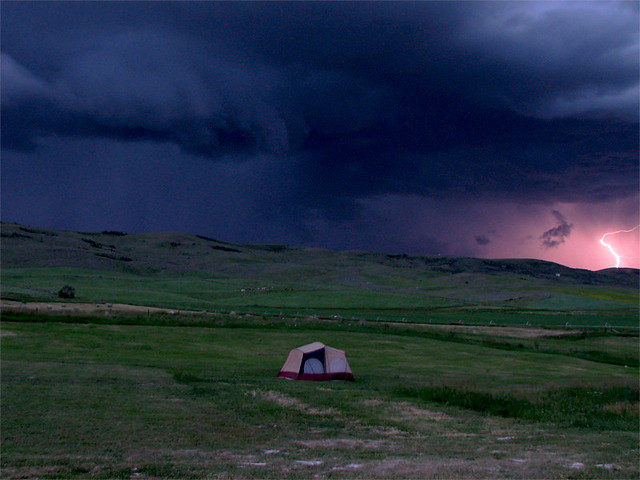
(165, 253)
(178, 270)
(529, 267)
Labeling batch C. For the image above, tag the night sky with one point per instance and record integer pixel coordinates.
(469, 129)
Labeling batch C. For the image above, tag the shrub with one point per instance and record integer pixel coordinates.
(67, 292)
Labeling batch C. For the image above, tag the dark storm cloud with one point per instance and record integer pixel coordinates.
(140, 86)
(505, 100)
(556, 236)
(482, 239)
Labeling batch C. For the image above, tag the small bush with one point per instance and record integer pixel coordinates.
(67, 292)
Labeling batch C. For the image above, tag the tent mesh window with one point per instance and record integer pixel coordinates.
(313, 362)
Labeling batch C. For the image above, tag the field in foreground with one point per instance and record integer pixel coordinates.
(181, 397)
(164, 364)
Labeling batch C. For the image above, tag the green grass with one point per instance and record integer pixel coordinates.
(188, 271)
(616, 349)
(563, 301)
(439, 303)
(196, 396)
(107, 400)
(574, 406)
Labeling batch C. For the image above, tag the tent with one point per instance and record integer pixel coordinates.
(316, 361)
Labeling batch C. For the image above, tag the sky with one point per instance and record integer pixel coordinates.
(497, 130)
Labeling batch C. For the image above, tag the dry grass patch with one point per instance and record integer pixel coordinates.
(388, 431)
(501, 331)
(291, 402)
(409, 411)
(406, 411)
(628, 409)
(345, 443)
(94, 309)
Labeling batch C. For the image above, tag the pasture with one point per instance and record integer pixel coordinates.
(111, 397)
(164, 364)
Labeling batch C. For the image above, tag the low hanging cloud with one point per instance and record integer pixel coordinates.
(482, 240)
(556, 236)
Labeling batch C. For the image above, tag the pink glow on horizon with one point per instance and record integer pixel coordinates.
(617, 256)
(511, 230)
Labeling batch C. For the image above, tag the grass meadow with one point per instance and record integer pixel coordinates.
(464, 368)
(431, 299)
(98, 397)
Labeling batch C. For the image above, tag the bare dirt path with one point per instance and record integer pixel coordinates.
(57, 308)
(494, 330)
(108, 309)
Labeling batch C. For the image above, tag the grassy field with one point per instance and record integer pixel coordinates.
(432, 302)
(111, 400)
(192, 272)
(465, 368)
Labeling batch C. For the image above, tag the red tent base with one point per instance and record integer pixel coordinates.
(317, 377)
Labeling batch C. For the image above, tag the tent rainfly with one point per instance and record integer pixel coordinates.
(317, 362)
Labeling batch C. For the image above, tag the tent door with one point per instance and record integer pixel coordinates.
(313, 362)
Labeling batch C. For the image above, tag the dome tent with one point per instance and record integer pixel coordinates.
(316, 361)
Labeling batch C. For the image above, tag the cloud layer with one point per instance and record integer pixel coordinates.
(337, 103)
(557, 235)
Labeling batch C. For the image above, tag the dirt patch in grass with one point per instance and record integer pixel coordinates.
(64, 466)
(345, 443)
(498, 331)
(292, 402)
(99, 309)
(35, 472)
(406, 410)
(150, 455)
(7, 333)
(521, 466)
(409, 411)
(388, 431)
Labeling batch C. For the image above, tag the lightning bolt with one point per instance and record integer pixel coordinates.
(610, 248)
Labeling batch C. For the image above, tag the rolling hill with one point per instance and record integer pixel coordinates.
(195, 272)
(447, 380)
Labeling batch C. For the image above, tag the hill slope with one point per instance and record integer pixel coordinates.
(190, 271)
